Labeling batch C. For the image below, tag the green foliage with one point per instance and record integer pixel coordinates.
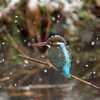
(15, 58)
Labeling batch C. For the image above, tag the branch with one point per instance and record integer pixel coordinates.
(86, 82)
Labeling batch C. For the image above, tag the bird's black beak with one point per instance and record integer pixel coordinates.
(40, 44)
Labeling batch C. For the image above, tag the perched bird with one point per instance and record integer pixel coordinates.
(59, 55)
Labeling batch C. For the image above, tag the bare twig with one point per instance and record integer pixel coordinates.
(86, 82)
(38, 61)
(4, 79)
(33, 59)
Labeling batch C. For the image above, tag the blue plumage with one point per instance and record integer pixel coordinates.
(67, 66)
(60, 56)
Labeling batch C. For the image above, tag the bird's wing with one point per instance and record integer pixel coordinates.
(57, 57)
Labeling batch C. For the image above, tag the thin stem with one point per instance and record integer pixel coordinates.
(4, 79)
(33, 59)
(86, 82)
(38, 61)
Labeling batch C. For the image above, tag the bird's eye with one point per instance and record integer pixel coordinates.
(66, 42)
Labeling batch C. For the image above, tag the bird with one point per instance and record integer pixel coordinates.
(59, 55)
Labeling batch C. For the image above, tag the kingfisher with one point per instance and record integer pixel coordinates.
(58, 54)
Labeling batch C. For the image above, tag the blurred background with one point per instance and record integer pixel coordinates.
(24, 22)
